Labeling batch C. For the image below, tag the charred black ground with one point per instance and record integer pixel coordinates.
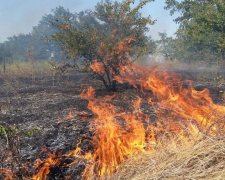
(44, 102)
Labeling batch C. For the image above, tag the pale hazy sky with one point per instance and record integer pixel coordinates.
(19, 16)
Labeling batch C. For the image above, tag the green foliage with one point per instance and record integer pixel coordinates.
(166, 46)
(15, 48)
(29, 132)
(8, 130)
(201, 35)
(83, 34)
(11, 136)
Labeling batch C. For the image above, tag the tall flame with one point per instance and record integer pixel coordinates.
(180, 110)
(171, 95)
(113, 142)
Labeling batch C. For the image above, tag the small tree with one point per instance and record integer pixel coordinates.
(104, 38)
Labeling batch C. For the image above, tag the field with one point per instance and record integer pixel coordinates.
(51, 106)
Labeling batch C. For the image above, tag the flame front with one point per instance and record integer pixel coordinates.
(117, 135)
(113, 142)
(170, 93)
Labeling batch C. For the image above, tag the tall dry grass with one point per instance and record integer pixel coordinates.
(24, 74)
(203, 159)
(26, 69)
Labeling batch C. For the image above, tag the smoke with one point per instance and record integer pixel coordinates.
(19, 17)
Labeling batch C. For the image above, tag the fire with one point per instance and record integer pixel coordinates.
(98, 67)
(171, 95)
(112, 142)
(181, 111)
(7, 172)
(45, 165)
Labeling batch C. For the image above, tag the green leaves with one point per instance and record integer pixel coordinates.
(29, 132)
(8, 130)
(110, 24)
(110, 20)
(202, 28)
(11, 130)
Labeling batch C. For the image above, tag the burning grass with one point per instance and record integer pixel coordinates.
(183, 137)
(182, 112)
(202, 159)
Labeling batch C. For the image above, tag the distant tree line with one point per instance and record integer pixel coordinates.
(200, 36)
(16, 47)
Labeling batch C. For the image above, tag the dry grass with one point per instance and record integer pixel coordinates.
(19, 73)
(204, 159)
(26, 69)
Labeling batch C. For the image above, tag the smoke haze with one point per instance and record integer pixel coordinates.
(18, 17)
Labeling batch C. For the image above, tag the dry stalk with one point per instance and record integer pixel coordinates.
(31, 59)
(203, 159)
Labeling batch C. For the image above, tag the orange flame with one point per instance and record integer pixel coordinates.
(171, 95)
(180, 110)
(98, 68)
(7, 172)
(113, 142)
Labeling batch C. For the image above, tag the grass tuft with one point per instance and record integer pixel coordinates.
(203, 159)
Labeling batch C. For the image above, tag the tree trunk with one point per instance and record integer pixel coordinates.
(4, 67)
(105, 84)
(114, 85)
(223, 55)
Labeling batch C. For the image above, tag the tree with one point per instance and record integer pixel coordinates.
(15, 49)
(202, 28)
(2, 52)
(104, 38)
(166, 46)
(42, 47)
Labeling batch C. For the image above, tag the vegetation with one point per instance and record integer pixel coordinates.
(203, 159)
(95, 37)
(106, 37)
(201, 34)
(43, 69)
(11, 135)
(99, 42)
(17, 47)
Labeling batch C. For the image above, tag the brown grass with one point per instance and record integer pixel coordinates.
(26, 69)
(204, 159)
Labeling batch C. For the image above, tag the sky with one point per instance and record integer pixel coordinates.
(20, 16)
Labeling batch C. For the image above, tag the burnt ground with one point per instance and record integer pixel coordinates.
(46, 103)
